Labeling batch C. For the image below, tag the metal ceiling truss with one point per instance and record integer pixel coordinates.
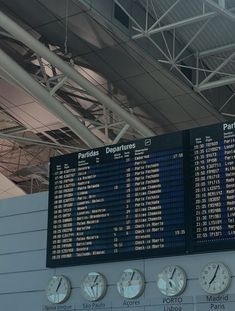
(16, 162)
(66, 72)
(179, 57)
(96, 117)
(22, 78)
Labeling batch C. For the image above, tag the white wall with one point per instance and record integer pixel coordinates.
(24, 276)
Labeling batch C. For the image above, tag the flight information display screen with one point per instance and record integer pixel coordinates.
(117, 202)
(167, 195)
(213, 195)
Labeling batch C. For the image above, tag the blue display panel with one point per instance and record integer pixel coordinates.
(213, 188)
(167, 195)
(117, 202)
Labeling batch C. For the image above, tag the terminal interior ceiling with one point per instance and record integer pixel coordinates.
(127, 69)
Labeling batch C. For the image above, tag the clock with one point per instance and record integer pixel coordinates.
(171, 281)
(131, 284)
(215, 278)
(58, 289)
(94, 286)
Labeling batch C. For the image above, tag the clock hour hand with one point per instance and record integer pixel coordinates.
(92, 286)
(171, 277)
(214, 276)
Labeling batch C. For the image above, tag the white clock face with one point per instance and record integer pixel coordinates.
(171, 281)
(58, 289)
(131, 284)
(215, 278)
(94, 286)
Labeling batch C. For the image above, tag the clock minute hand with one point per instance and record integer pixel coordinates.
(172, 274)
(94, 282)
(133, 273)
(214, 276)
(58, 286)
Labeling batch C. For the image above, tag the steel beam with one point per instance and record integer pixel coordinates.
(121, 133)
(214, 84)
(232, 115)
(20, 34)
(219, 9)
(17, 73)
(28, 140)
(175, 25)
(227, 101)
(224, 63)
(126, 12)
(191, 40)
(217, 50)
(163, 15)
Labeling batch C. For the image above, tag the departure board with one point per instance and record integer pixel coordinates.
(117, 202)
(167, 195)
(213, 192)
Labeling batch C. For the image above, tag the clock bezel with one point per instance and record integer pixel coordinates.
(68, 289)
(207, 290)
(142, 284)
(84, 280)
(181, 289)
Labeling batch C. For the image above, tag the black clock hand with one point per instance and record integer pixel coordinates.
(170, 278)
(214, 276)
(133, 273)
(172, 274)
(92, 286)
(94, 283)
(58, 286)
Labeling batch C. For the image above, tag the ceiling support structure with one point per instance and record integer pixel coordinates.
(20, 34)
(219, 9)
(214, 84)
(190, 41)
(178, 24)
(121, 133)
(216, 50)
(227, 101)
(163, 15)
(175, 59)
(28, 140)
(179, 56)
(217, 70)
(17, 73)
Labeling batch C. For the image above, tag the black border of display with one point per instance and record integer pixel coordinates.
(191, 246)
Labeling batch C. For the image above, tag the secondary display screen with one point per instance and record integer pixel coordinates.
(213, 175)
(166, 195)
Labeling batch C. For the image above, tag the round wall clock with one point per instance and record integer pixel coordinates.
(94, 286)
(171, 281)
(215, 278)
(131, 284)
(58, 289)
